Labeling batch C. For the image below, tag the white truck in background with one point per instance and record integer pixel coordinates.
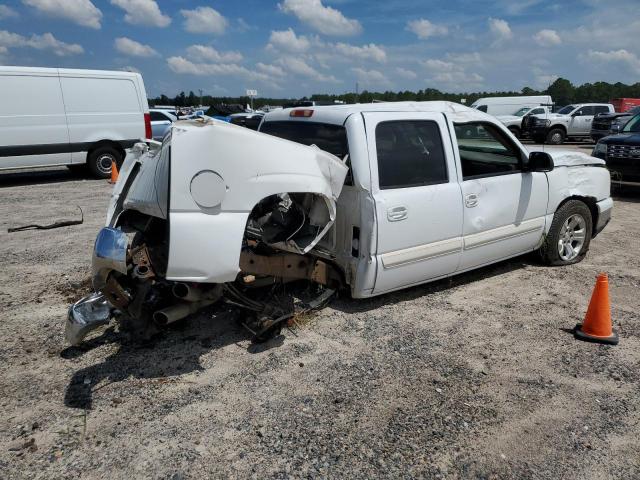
(514, 122)
(368, 198)
(510, 105)
(56, 116)
(573, 121)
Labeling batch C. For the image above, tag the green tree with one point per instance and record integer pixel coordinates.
(562, 91)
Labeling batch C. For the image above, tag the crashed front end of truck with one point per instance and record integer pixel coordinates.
(214, 213)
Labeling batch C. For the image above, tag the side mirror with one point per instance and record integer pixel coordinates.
(540, 162)
(576, 114)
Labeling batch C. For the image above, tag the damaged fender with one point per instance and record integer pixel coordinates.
(219, 173)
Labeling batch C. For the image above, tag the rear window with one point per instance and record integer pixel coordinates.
(327, 137)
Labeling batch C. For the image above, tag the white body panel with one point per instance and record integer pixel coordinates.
(55, 115)
(206, 241)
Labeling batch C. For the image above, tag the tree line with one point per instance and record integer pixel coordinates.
(562, 92)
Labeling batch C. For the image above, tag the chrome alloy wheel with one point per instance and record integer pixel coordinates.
(572, 236)
(556, 138)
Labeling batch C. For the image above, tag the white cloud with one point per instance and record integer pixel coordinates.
(621, 56)
(204, 20)
(143, 12)
(500, 29)
(423, 28)
(81, 12)
(365, 52)
(7, 12)
(45, 42)
(299, 67)
(547, 38)
(205, 53)
(135, 49)
(272, 70)
(371, 77)
(405, 73)
(288, 41)
(183, 66)
(326, 20)
(451, 75)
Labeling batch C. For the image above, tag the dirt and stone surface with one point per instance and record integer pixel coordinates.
(472, 377)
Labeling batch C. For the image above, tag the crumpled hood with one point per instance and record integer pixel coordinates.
(569, 158)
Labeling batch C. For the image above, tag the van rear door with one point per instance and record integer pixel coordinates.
(33, 127)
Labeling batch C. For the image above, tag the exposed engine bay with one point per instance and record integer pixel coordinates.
(283, 265)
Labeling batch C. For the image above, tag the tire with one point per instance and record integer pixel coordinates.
(555, 136)
(99, 161)
(515, 131)
(572, 225)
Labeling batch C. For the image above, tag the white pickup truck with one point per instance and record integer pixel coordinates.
(385, 197)
(514, 122)
(572, 121)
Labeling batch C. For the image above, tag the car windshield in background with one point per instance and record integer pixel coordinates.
(566, 110)
(521, 112)
(327, 137)
(633, 125)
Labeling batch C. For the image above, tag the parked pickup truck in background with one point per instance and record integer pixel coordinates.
(622, 154)
(514, 122)
(611, 123)
(572, 121)
(385, 196)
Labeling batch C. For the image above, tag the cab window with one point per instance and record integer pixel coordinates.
(410, 154)
(486, 151)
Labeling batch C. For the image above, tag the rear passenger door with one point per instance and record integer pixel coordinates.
(417, 198)
(33, 127)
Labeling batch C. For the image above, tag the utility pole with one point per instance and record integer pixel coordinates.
(356, 92)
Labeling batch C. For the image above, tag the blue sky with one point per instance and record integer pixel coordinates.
(291, 48)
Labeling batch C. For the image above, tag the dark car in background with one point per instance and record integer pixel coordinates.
(611, 123)
(622, 154)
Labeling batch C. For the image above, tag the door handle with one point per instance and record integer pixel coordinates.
(471, 200)
(395, 214)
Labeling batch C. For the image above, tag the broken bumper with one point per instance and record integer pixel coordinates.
(94, 310)
(85, 316)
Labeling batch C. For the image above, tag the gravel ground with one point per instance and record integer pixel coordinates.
(473, 377)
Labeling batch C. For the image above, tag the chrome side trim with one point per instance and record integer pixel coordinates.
(421, 252)
(503, 233)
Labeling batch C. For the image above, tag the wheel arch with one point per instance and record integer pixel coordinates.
(559, 126)
(590, 202)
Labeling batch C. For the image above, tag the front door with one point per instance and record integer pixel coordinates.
(581, 121)
(504, 207)
(417, 198)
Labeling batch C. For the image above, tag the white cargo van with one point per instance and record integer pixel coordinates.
(510, 105)
(55, 116)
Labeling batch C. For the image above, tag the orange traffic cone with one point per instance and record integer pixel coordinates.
(114, 172)
(597, 323)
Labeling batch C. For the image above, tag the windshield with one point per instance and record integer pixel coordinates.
(566, 110)
(633, 125)
(327, 137)
(522, 112)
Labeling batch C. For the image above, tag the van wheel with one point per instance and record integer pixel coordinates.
(555, 136)
(100, 160)
(515, 131)
(569, 236)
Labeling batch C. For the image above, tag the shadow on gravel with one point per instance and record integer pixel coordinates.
(41, 177)
(174, 352)
(348, 305)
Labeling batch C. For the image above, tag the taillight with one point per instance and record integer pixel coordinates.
(301, 113)
(147, 126)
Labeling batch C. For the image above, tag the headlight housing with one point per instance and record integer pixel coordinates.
(600, 148)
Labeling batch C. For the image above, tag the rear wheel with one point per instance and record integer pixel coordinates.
(100, 160)
(555, 136)
(569, 236)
